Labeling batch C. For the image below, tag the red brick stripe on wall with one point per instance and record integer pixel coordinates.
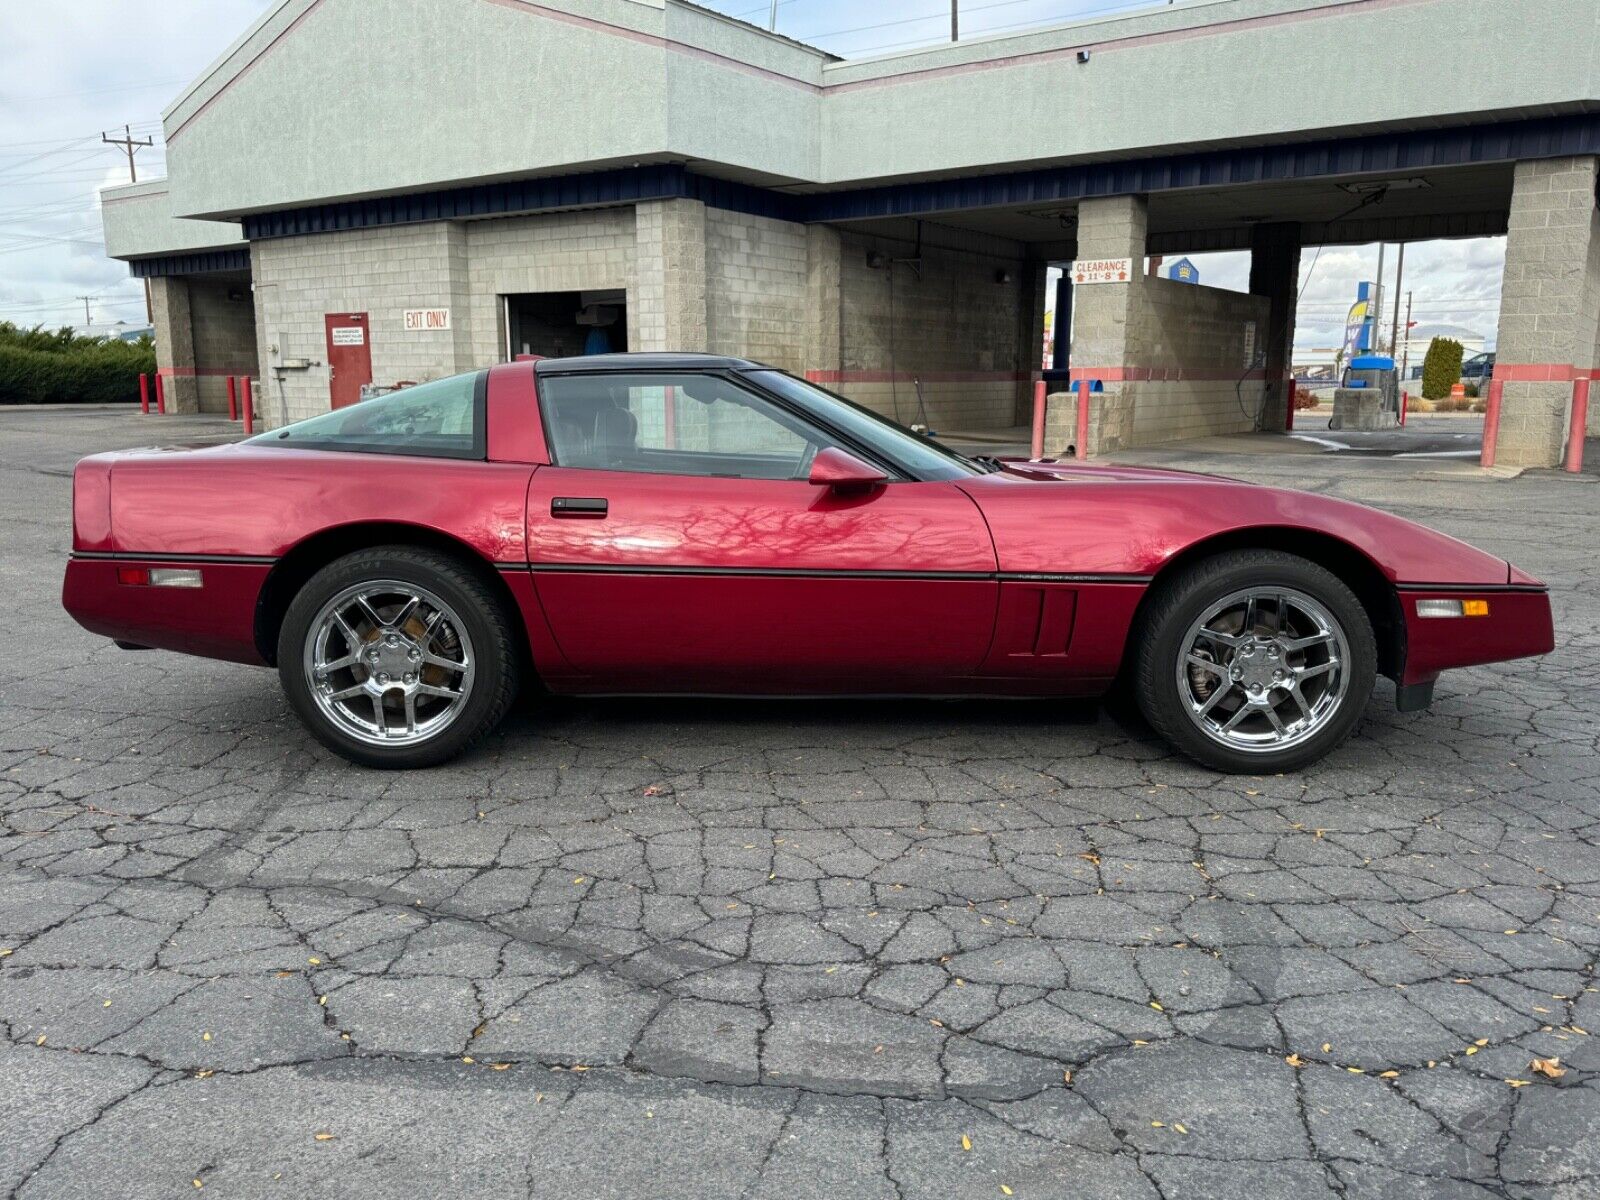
(1542, 372)
(1164, 375)
(924, 376)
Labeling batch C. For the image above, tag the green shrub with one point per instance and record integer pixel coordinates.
(1441, 369)
(40, 367)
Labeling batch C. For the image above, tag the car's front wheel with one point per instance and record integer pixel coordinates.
(397, 657)
(1255, 661)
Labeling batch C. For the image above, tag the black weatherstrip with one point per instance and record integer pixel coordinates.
(830, 573)
(253, 560)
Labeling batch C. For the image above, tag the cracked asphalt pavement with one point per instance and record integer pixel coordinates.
(897, 950)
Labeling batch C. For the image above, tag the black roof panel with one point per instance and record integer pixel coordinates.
(661, 361)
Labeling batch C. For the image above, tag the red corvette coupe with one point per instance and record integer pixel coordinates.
(672, 523)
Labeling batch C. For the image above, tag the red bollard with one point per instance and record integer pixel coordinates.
(1288, 411)
(144, 394)
(233, 400)
(161, 395)
(1405, 399)
(1491, 423)
(1083, 419)
(1036, 446)
(1578, 429)
(249, 408)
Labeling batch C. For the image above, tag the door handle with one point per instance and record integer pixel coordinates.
(592, 507)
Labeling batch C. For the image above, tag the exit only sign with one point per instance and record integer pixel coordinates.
(424, 320)
(1102, 270)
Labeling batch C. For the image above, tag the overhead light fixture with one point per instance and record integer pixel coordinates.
(1368, 187)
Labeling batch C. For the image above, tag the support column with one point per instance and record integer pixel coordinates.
(1033, 285)
(824, 356)
(1549, 305)
(174, 325)
(1104, 328)
(669, 306)
(1275, 274)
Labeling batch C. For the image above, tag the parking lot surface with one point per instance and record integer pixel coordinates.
(703, 949)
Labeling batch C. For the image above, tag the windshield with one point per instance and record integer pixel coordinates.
(923, 457)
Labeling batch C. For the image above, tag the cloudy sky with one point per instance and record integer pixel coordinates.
(69, 72)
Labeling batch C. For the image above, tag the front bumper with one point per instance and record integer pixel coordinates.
(1518, 625)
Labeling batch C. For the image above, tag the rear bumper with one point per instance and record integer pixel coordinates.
(1519, 625)
(215, 620)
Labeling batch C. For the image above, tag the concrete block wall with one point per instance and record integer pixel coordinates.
(1549, 306)
(756, 278)
(174, 337)
(1176, 360)
(555, 252)
(381, 272)
(667, 308)
(954, 326)
(222, 320)
(1198, 342)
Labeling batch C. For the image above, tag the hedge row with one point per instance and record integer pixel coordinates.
(60, 368)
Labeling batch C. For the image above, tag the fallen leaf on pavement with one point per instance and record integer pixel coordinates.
(1550, 1068)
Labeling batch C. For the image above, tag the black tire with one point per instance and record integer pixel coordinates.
(1181, 601)
(496, 673)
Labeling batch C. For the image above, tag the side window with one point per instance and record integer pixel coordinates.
(674, 424)
(441, 419)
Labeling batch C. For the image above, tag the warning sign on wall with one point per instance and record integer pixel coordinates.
(1102, 270)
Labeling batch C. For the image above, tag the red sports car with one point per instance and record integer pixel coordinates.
(673, 524)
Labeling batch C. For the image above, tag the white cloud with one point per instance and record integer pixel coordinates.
(68, 72)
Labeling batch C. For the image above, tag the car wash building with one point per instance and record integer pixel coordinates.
(366, 192)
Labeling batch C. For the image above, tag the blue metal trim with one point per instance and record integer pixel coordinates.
(1546, 137)
(190, 264)
(1421, 150)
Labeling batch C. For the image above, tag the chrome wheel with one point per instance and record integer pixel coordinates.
(1263, 669)
(389, 663)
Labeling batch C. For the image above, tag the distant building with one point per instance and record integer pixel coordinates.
(1412, 350)
(120, 330)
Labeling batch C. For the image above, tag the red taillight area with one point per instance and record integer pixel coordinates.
(169, 607)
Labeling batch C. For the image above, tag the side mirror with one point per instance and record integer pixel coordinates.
(833, 468)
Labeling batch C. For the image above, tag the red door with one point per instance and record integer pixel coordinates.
(673, 583)
(349, 357)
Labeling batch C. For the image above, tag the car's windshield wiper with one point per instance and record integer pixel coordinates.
(988, 463)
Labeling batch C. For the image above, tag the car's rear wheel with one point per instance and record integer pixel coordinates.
(397, 657)
(1255, 661)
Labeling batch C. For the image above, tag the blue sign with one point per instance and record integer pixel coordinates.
(1184, 271)
(1358, 322)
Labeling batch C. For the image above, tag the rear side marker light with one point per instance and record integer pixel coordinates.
(1452, 608)
(172, 577)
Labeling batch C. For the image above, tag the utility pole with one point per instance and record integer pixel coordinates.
(130, 143)
(87, 319)
(1377, 304)
(772, 18)
(955, 21)
(1405, 357)
(1399, 281)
